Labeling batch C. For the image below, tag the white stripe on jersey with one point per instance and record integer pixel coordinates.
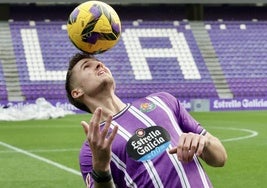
(163, 105)
(201, 172)
(147, 121)
(122, 166)
(148, 164)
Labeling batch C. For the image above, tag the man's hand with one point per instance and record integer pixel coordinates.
(99, 140)
(208, 147)
(188, 145)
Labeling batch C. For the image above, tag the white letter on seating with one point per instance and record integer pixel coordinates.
(34, 58)
(137, 55)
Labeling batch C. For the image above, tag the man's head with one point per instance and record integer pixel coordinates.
(69, 86)
(87, 79)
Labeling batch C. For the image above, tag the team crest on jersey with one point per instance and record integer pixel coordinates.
(148, 143)
(147, 107)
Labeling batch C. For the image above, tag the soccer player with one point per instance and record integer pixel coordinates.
(152, 142)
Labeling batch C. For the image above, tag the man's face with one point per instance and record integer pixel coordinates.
(91, 77)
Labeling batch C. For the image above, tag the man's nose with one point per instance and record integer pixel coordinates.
(99, 65)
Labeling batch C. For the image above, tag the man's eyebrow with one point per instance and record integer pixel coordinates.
(83, 63)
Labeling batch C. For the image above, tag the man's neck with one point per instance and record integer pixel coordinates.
(110, 105)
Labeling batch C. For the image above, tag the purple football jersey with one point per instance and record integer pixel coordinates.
(148, 128)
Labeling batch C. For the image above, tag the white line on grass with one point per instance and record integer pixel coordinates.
(41, 159)
(43, 150)
(251, 134)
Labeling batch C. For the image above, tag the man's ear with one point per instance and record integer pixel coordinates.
(77, 93)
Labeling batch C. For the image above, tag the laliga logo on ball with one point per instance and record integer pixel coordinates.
(94, 27)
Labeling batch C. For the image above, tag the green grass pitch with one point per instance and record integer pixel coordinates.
(44, 153)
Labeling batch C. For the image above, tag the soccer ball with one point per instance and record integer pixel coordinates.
(94, 27)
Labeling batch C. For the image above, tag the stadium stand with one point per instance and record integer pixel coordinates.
(3, 91)
(152, 55)
(42, 47)
(240, 47)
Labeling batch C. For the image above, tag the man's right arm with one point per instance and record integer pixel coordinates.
(100, 145)
(102, 179)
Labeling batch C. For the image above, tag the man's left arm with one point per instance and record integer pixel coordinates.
(214, 153)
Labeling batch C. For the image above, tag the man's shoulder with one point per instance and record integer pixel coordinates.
(163, 95)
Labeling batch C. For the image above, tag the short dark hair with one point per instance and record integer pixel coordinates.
(69, 80)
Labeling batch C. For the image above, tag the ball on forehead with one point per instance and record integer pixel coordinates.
(94, 27)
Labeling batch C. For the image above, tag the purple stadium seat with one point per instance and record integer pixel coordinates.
(242, 55)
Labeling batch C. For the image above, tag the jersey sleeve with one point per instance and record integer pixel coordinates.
(85, 160)
(186, 122)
